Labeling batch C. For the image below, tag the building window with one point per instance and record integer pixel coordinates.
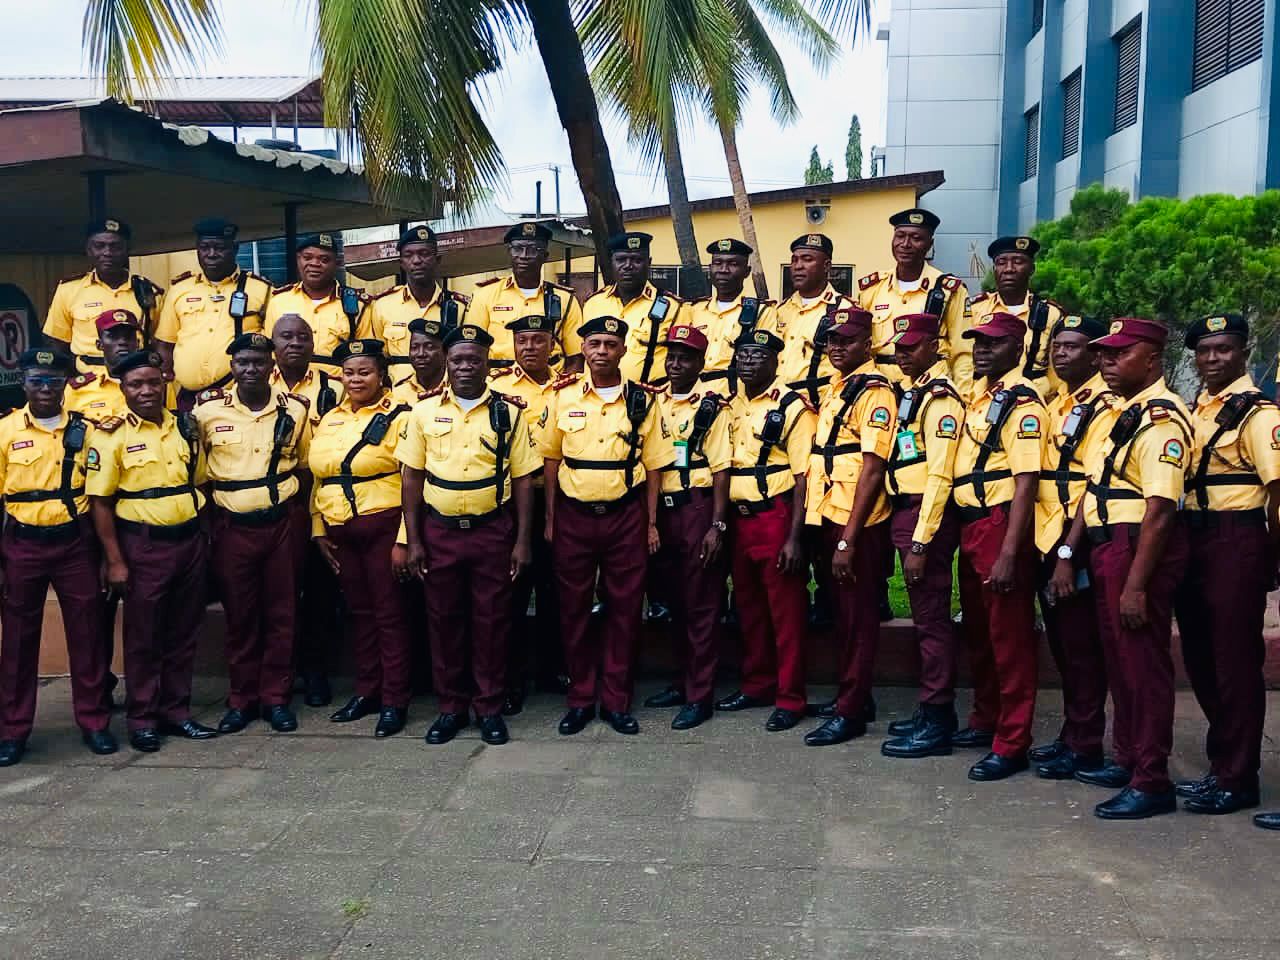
(1031, 160)
(1037, 16)
(1228, 37)
(1128, 60)
(1071, 115)
(841, 279)
(668, 278)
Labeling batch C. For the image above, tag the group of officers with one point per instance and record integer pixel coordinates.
(587, 453)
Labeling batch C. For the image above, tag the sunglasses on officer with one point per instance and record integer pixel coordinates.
(51, 381)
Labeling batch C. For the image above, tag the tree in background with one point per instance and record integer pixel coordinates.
(853, 150)
(816, 173)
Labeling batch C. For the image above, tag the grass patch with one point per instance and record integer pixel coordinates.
(355, 909)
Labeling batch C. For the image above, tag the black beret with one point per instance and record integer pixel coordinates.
(132, 361)
(632, 240)
(49, 359)
(467, 333)
(419, 234)
(108, 225)
(759, 338)
(729, 245)
(1028, 245)
(358, 348)
(325, 241)
(430, 328)
(1213, 325)
(249, 341)
(916, 217)
(528, 231)
(814, 241)
(215, 227)
(609, 325)
(1091, 327)
(530, 321)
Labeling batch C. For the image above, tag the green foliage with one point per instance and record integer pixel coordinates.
(140, 42)
(853, 150)
(816, 171)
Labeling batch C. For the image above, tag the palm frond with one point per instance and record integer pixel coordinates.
(139, 43)
(846, 19)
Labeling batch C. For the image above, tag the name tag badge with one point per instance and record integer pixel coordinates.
(907, 445)
(682, 454)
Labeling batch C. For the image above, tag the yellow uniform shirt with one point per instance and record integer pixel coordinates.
(409, 390)
(143, 456)
(691, 468)
(720, 324)
(374, 483)
(883, 295)
(1070, 463)
(514, 382)
(239, 447)
(391, 313)
(499, 301)
(786, 459)
(797, 325)
(845, 432)
(96, 395)
(78, 301)
(640, 329)
(1152, 462)
(458, 450)
(309, 388)
(1249, 452)
(924, 452)
(329, 325)
(31, 466)
(590, 436)
(196, 319)
(1035, 365)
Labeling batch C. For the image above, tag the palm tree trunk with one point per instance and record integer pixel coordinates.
(693, 283)
(743, 204)
(566, 68)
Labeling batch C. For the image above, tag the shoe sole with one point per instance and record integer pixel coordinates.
(1221, 813)
(1104, 786)
(1101, 815)
(918, 754)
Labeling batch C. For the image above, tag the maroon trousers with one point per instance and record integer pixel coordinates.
(258, 569)
(376, 619)
(1141, 663)
(1220, 611)
(857, 612)
(1000, 632)
(162, 612)
(70, 566)
(772, 608)
(1076, 645)
(694, 591)
(612, 544)
(469, 595)
(931, 599)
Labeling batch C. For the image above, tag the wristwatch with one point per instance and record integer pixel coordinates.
(1065, 552)
(918, 548)
(720, 525)
(842, 545)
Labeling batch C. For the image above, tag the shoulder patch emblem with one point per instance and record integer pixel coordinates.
(950, 283)
(947, 427)
(1029, 427)
(870, 280)
(93, 459)
(1172, 453)
(880, 418)
(213, 393)
(1275, 438)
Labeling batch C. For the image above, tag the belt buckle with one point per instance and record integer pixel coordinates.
(464, 524)
(744, 509)
(668, 500)
(599, 509)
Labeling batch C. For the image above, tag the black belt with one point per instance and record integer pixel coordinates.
(1211, 519)
(986, 476)
(577, 464)
(754, 471)
(155, 493)
(58, 532)
(970, 514)
(259, 518)
(601, 507)
(749, 508)
(341, 480)
(93, 361)
(178, 531)
(836, 449)
(465, 522)
(229, 486)
(1098, 535)
(682, 498)
(443, 484)
(39, 496)
(1113, 493)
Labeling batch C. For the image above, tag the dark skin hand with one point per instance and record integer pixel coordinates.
(916, 360)
(810, 270)
(420, 262)
(846, 355)
(1013, 273)
(729, 272)
(318, 270)
(683, 367)
(1062, 585)
(910, 246)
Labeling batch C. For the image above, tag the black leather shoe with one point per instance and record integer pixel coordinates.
(622, 722)
(869, 710)
(971, 739)
(575, 720)
(317, 693)
(819, 616)
(188, 730)
(838, 729)
(146, 740)
(824, 710)
(740, 701)
(391, 721)
(513, 705)
(11, 752)
(782, 719)
(493, 730)
(930, 736)
(1133, 804)
(101, 742)
(1267, 821)
(281, 718)
(692, 715)
(446, 727)
(658, 612)
(1221, 801)
(886, 610)
(1047, 752)
(995, 767)
(673, 696)
(1196, 788)
(356, 708)
(906, 727)
(1067, 764)
(1112, 776)
(236, 719)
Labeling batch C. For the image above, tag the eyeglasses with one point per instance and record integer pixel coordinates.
(526, 249)
(53, 383)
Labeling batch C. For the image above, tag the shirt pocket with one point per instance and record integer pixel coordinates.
(133, 459)
(225, 438)
(396, 336)
(439, 440)
(28, 455)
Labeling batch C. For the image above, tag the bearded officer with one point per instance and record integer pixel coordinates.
(421, 296)
(728, 312)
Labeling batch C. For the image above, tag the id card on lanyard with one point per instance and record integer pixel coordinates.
(907, 449)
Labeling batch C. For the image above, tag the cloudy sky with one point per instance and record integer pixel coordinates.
(260, 40)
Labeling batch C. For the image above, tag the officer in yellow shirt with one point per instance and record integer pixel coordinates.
(142, 479)
(205, 310)
(422, 295)
(1138, 558)
(500, 300)
(97, 394)
(334, 313)
(728, 312)
(803, 319)
(1232, 517)
(1013, 263)
(109, 285)
(426, 357)
(47, 542)
(635, 301)
(604, 443)
(255, 437)
(846, 500)
(295, 370)
(914, 285)
(1001, 454)
(469, 460)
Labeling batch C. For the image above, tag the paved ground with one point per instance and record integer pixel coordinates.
(727, 842)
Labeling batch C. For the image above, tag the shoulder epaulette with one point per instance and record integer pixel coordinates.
(386, 293)
(301, 399)
(504, 372)
(287, 286)
(459, 297)
(259, 277)
(83, 380)
(940, 389)
(798, 396)
(561, 286)
(213, 393)
(431, 393)
(694, 300)
(485, 283)
(977, 298)
(364, 297)
(949, 282)
(187, 275)
(870, 280)
(597, 293)
(649, 387)
(512, 399)
(768, 303)
(670, 296)
(566, 380)
(74, 277)
(109, 424)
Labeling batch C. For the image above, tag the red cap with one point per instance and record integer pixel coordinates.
(115, 318)
(683, 335)
(910, 328)
(851, 322)
(1126, 331)
(998, 325)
